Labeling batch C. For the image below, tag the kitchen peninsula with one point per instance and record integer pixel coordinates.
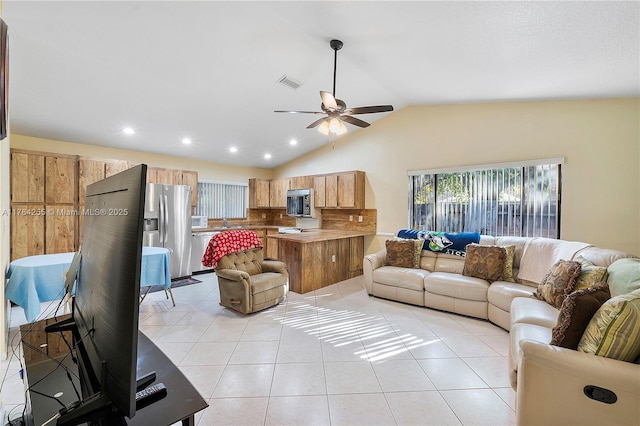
(319, 257)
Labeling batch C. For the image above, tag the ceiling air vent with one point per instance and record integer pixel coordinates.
(289, 82)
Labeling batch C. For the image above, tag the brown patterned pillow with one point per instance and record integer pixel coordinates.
(558, 282)
(486, 262)
(577, 310)
(404, 253)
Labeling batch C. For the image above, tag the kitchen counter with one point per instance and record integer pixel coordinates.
(315, 235)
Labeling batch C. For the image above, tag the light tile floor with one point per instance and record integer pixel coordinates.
(334, 356)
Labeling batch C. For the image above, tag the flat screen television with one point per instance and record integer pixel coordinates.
(105, 308)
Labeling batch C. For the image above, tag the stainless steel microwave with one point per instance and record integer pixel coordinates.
(300, 202)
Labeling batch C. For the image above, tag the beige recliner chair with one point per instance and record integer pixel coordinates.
(248, 283)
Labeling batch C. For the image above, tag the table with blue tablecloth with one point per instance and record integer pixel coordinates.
(36, 279)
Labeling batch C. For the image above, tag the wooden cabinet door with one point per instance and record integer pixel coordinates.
(278, 192)
(319, 191)
(258, 193)
(301, 182)
(89, 171)
(60, 231)
(27, 178)
(169, 176)
(152, 175)
(346, 190)
(272, 245)
(27, 230)
(331, 191)
(356, 256)
(61, 180)
(113, 167)
(191, 178)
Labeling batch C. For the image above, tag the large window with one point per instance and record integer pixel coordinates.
(517, 199)
(220, 200)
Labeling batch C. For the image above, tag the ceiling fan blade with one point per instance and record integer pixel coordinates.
(369, 109)
(354, 121)
(302, 112)
(316, 123)
(329, 101)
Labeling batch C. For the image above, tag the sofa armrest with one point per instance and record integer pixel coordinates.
(232, 274)
(370, 263)
(551, 387)
(274, 266)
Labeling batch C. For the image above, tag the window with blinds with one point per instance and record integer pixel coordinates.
(220, 200)
(516, 199)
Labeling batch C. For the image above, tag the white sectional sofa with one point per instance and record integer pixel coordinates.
(551, 382)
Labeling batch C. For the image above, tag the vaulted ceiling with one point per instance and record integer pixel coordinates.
(81, 71)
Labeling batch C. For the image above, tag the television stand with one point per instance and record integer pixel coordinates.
(180, 404)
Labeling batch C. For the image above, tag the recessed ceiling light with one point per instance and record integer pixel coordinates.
(293, 142)
(128, 131)
(267, 156)
(186, 141)
(233, 149)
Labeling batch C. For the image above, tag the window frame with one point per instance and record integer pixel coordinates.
(227, 185)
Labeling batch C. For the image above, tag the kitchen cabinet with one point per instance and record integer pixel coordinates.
(27, 230)
(350, 190)
(331, 191)
(44, 209)
(191, 178)
(89, 171)
(301, 182)
(319, 191)
(112, 167)
(259, 193)
(271, 251)
(27, 177)
(168, 176)
(278, 193)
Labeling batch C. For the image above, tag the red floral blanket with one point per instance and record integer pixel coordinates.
(227, 242)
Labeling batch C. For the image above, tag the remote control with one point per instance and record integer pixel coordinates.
(156, 391)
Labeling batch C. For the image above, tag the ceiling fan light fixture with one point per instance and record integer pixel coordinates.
(337, 127)
(324, 128)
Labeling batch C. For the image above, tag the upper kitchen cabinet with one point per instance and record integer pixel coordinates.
(89, 171)
(191, 178)
(278, 193)
(112, 167)
(331, 191)
(301, 182)
(27, 177)
(351, 190)
(258, 193)
(168, 176)
(319, 187)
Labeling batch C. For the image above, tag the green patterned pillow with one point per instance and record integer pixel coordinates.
(507, 275)
(590, 274)
(614, 331)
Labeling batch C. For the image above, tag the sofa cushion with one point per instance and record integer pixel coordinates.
(614, 331)
(590, 274)
(624, 276)
(577, 310)
(558, 282)
(457, 286)
(401, 277)
(403, 253)
(518, 333)
(533, 311)
(501, 293)
(485, 262)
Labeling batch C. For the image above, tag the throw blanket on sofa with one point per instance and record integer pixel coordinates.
(227, 242)
(540, 254)
(444, 242)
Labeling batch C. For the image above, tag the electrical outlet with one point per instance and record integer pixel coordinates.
(360, 218)
(280, 215)
(333, 258)
(350, 218)
(264, 215)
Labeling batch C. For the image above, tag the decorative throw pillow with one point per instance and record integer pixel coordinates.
(590, 274)
(577, 310)
(624, 276)
(558, 282)
(507, 275)
(403, 253)
(614, 331)
(486, 262)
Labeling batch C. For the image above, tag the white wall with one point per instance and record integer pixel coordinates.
(599, 140)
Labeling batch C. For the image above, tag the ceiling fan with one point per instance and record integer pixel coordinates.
(335, 109)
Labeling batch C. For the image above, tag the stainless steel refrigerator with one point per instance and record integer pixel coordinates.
(167, 223)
